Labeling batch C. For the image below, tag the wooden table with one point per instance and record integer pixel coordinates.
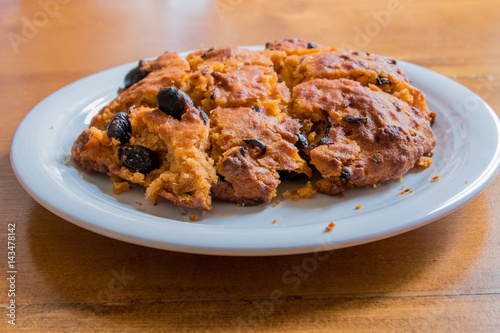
(444, 277)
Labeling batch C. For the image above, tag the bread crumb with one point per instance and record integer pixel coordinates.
(138, 203)
(407, 191)
(119, 185)
(358, 207)
(330, 227)
(51, 127)
(341, 196)
(305, 192)
(66, 159)
(193, 217)
(224, 213)
(274, 221)
(423, 162)
(276, 203)
(183, 214)
(466, 182)
(435, 179)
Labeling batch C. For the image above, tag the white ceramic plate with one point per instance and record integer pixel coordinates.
(466, 157)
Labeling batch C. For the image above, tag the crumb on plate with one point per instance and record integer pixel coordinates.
(330, 227)
(423, 162)
(407, 191)
(119, 185)
(305, 192)
(436, 178)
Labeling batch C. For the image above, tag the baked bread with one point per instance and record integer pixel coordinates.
(358, 136)
(250, 147)
(231, 124)
(148, 147)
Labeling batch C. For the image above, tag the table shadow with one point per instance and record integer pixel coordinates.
(116, 282)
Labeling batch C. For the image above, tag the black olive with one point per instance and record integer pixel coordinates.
(257, 143)
(312, 45)
(345, 57)
(243, 150)
(351, 119)
(221, 177)
(257, 108)
(325, 138)
(382, 80)
(138, 158)
(291, 175)
(345, 175)
(203, 116)
(173, 102)
(119, 127)
(206, 52)
(302, 142)
(134, 76)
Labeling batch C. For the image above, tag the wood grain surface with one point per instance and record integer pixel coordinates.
(444, 277)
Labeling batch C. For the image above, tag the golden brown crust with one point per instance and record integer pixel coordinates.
(294, 46)
(238, 86)
(218, 59)
(368, 137)
(186, 172)
(368, 69)
(278, 50)
(249, 146)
